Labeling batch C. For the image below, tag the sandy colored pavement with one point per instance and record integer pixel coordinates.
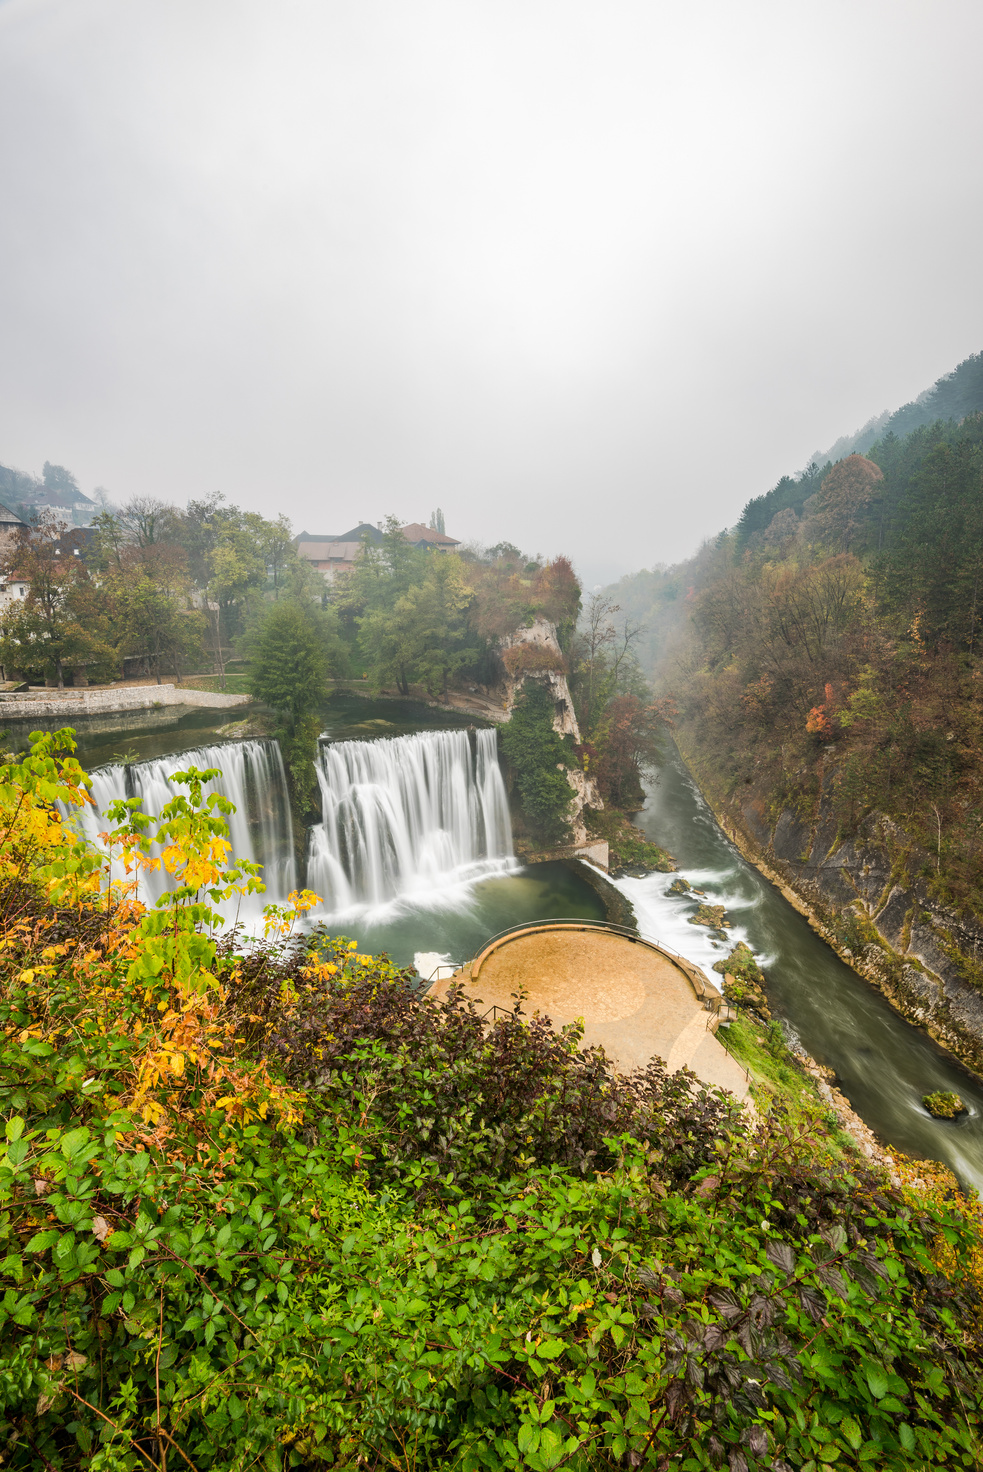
(636, 1001)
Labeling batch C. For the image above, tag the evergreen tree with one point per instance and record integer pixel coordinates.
(294, 649)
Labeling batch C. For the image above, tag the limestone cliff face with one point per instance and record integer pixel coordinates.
(538, 656)
(866, 897)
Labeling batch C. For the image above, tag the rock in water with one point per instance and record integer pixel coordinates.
(943, 1105)
(744, 980)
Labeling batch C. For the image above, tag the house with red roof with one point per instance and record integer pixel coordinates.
(334, 555)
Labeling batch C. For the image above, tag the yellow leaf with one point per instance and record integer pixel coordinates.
(177, 1064)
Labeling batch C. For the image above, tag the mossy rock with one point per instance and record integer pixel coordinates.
(943, 1105)
(744, 980)
(710, 915)
(745, 994)
(240, 730)
(678, 886)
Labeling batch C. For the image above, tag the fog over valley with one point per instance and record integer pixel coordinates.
(585, 281)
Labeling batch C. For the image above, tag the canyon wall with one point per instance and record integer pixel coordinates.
(868, 895)
(538, 656)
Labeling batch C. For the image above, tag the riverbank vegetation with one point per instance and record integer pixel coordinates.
(268, 1206)
(832, 642)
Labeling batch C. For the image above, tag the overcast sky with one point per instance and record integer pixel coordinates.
(586, 276)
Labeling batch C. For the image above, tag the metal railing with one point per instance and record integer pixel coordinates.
(572, 923)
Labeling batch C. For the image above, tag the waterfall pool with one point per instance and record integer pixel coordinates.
(413, 854)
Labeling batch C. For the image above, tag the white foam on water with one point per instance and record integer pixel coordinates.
(432, 965)
(664, 917)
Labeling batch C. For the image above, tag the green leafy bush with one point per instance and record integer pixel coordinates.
(268, 1207)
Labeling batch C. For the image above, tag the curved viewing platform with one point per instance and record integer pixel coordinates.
(638, 1000)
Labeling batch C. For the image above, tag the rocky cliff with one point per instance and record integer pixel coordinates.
(868, 895)
(534, 653)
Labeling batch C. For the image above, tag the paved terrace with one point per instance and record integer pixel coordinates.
(637, 1000)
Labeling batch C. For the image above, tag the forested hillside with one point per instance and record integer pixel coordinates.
(843, 616)
(827, 658)
(953, 396)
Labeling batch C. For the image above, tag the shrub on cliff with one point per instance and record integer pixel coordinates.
(537, 758)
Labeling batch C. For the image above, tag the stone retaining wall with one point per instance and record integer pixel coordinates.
(80, 702)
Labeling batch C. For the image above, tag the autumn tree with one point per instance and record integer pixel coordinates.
(62, 622)
(602, 654)
(147, 619)
(629, 746)
(275, 541)
(556, 596)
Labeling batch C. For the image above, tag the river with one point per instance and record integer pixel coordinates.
(883, 1064)
(413, 856)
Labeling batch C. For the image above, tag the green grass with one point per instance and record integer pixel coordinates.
(777, 1080)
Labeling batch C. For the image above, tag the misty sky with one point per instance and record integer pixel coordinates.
(586, 276)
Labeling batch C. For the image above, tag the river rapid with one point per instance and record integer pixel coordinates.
(883, 1064)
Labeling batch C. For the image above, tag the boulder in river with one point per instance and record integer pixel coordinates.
(744, 980)
(710, 915)
(943, 1105)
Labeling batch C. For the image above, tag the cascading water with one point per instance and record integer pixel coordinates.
(252, 778)
(409, 815)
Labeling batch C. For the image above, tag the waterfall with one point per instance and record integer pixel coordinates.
(407, 814)
(252, 778)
